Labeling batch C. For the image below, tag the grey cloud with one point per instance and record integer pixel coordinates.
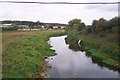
(103, 7)
(57, 13)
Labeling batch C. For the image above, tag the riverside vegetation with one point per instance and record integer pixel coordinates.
(100, 40)
(24, 51)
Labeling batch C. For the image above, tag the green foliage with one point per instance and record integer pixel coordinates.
(9, 29)
(93, 26)
(115, 29)
(81, 27)
(111, 49)
(104, 25)
(114, 22)
(88, 30)
(101, 25)
(106, 51)
(23, 52)
(75, 24)
(100, 38)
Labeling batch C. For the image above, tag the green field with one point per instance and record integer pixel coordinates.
(23, 52)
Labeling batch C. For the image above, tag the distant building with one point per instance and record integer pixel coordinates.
(23, 26)
(62, 27)
(43, 26)
(23, 29)
(49, 29)
(55, 27)
(7, 25)
(35, 29)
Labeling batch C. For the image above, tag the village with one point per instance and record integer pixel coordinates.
(28, 27)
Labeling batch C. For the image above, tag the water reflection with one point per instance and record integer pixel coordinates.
(73, 63)
(73, 45)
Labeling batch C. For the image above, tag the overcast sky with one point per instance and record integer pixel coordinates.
(58, 13)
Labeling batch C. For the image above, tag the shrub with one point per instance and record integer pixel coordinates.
(102, 34)
(115, 29)
(111, 49)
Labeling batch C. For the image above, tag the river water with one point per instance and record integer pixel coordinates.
(74, 64)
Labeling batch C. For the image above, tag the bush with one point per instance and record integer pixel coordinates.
(88, 30)
(9, 29)
(111, 49)
(115, 29)
(102, 34)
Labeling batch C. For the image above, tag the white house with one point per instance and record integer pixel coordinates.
(35, 29)
(62, 27)
(55, 27)
(7, 25)
(43, 26)
(23, 29)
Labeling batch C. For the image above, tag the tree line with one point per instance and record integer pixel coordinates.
(101, 36)
(31, 24)
(97, 26)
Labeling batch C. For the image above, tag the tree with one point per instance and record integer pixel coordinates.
(101, 25)
(73, 24)
(76, 24)
(81, 27)
(94, 25)
(88, 29)
(114, 22)
(6, 22)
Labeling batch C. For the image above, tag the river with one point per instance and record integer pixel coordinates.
(74, 64)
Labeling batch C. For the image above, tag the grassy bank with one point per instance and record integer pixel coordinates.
(100, 39)
(24, 51)
(103, 49)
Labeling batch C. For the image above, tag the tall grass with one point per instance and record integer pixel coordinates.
(23, 52)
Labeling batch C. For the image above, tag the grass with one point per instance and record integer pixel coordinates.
(103, 49)
(24, 51)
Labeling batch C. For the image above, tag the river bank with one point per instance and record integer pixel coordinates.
(23, 52)
(69, 63)
(99, 48)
